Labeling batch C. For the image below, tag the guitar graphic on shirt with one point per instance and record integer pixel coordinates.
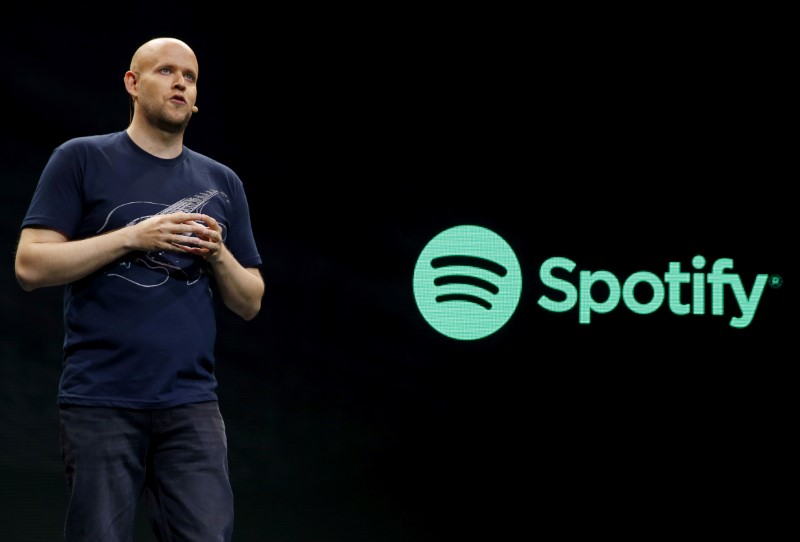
(155, 268)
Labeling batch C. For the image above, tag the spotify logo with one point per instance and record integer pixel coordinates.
(467, 282)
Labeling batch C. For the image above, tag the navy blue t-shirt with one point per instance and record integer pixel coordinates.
(140, 332)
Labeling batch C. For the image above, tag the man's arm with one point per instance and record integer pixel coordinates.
(241, 288)
(46, 257)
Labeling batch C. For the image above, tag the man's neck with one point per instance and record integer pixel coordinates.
(156, 142)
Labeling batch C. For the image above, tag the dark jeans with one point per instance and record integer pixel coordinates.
(177, 456)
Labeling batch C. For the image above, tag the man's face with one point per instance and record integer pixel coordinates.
(168, 86)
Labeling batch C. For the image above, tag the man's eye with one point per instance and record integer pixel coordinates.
(166, 70)
(190, 77)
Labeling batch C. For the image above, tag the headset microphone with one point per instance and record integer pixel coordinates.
(194, 109)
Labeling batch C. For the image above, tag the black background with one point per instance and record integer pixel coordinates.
(622, 141)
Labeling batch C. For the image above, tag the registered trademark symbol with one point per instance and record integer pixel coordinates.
(775, 281)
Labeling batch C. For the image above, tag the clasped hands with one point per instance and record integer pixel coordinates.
(195, 233)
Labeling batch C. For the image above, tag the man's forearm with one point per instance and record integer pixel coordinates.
(46, 258)
(49, 259)
(241, 288)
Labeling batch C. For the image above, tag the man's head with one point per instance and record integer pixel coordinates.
(162, 83)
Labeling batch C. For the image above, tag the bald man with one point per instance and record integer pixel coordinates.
(141, 232)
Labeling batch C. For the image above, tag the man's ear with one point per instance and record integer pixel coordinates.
(131, 82)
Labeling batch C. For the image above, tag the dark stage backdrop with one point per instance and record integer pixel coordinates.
(626, 144)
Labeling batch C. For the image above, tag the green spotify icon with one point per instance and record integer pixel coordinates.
(467, 282)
